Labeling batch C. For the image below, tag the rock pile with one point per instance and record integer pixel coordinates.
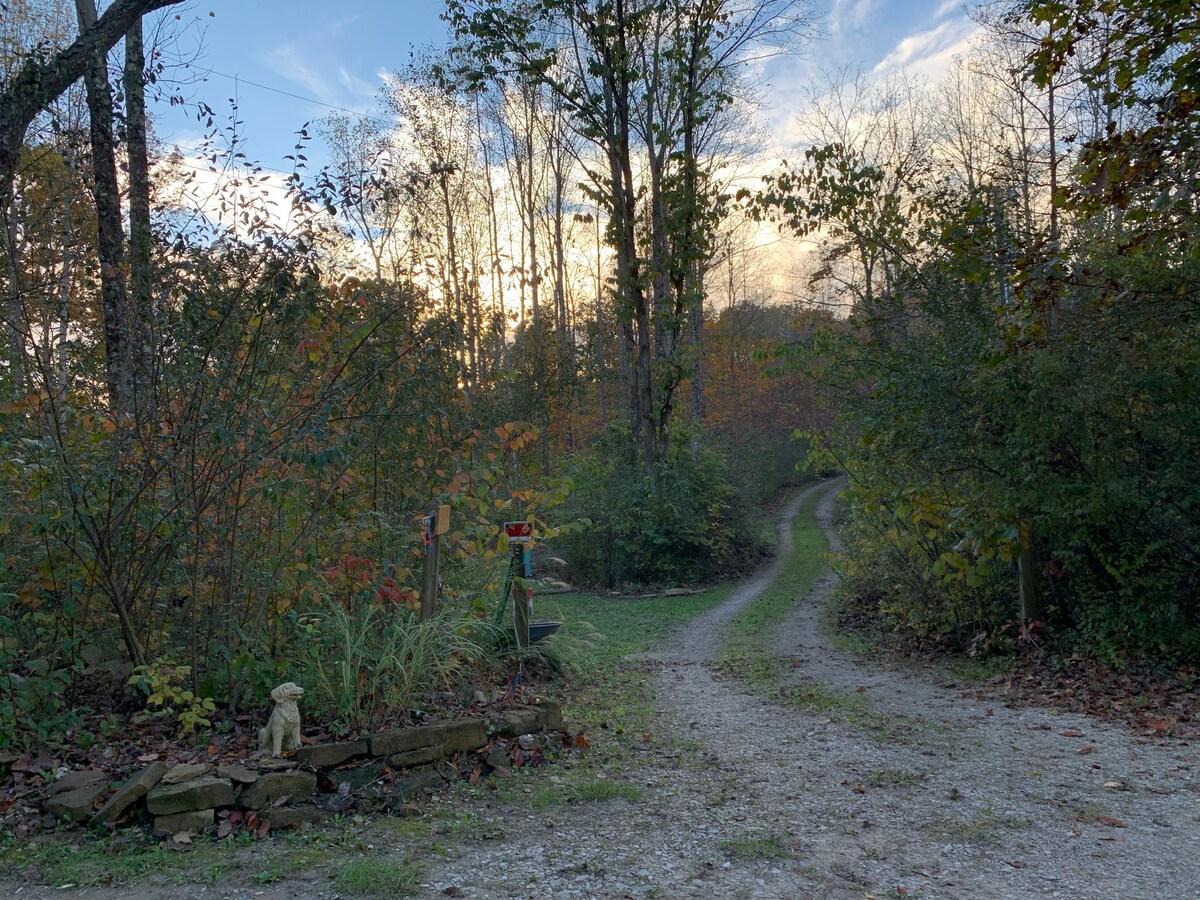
(377, 772)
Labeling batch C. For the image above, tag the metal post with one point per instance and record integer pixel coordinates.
(520, 598)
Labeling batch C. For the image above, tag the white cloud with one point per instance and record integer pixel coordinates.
(947, 7)
(356, 85)
(287, 61)
(850, 15)
(237, 199)
(929, 53)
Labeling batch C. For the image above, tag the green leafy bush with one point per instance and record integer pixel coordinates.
(165, 686)
(681, 524)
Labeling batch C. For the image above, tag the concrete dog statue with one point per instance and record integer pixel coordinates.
(283, 728)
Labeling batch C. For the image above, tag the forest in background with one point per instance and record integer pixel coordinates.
(535, 284)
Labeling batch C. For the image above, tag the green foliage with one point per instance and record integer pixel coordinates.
(164, 684)
(281, 460)
(33, 703)
(364, 661)
(1016, 383)
(679, 525)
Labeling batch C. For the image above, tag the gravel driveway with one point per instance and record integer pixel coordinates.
(925, 791)
(945, 797)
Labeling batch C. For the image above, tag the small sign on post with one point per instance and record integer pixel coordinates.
(435, 524)
(519, 531)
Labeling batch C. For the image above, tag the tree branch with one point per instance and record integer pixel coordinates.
(38, 82)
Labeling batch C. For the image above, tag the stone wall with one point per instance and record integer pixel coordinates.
(377, 772)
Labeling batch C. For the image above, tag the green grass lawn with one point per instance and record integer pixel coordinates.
(615, 627)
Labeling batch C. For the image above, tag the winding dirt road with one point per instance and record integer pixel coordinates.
(943, 796)
(901, 787)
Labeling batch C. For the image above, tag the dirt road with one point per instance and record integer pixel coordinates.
(895, 786)
(943, 796)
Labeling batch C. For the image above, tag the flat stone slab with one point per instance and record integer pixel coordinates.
(416, 757)
(202, 793)
(515, 722)
(237, 773)
(296, 786)
(326, 756)
(133, 790)
(193, 821)
(358, 777)
(184, 772)
(550, 712)
(295, 816)
(463, 736)
(274, 764)
(77, 805)
(73, 781)
(402, 740)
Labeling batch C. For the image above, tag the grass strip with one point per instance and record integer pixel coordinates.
(744, 653)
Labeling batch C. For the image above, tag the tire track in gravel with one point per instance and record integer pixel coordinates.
(958, 799)
(931, 794)
(943, 796)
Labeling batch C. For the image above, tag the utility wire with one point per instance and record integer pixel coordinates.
(266, 87)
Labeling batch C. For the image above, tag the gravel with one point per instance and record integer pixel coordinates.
(946, 797)
(933, 793)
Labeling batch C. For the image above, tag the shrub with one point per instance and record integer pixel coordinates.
(680, 524)
(363, 662)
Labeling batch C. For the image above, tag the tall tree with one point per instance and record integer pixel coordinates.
(38, 81)
(641, 80)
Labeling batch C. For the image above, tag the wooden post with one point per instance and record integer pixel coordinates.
(520, 598)
(436, 524)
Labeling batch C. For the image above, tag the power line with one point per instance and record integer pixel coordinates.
(266, 87)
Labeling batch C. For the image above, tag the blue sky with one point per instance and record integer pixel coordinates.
(333, 55)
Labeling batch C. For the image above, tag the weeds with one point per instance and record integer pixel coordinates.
(374, 877)
(762, 847)
(366, 663)
(982, 826)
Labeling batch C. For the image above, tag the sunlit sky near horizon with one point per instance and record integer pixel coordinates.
(288, 63)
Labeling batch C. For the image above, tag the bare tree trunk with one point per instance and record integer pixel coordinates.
(106, 194)
(64, 301)
(696, 314)
(39, 81)
(139, 207)
(14, 320)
